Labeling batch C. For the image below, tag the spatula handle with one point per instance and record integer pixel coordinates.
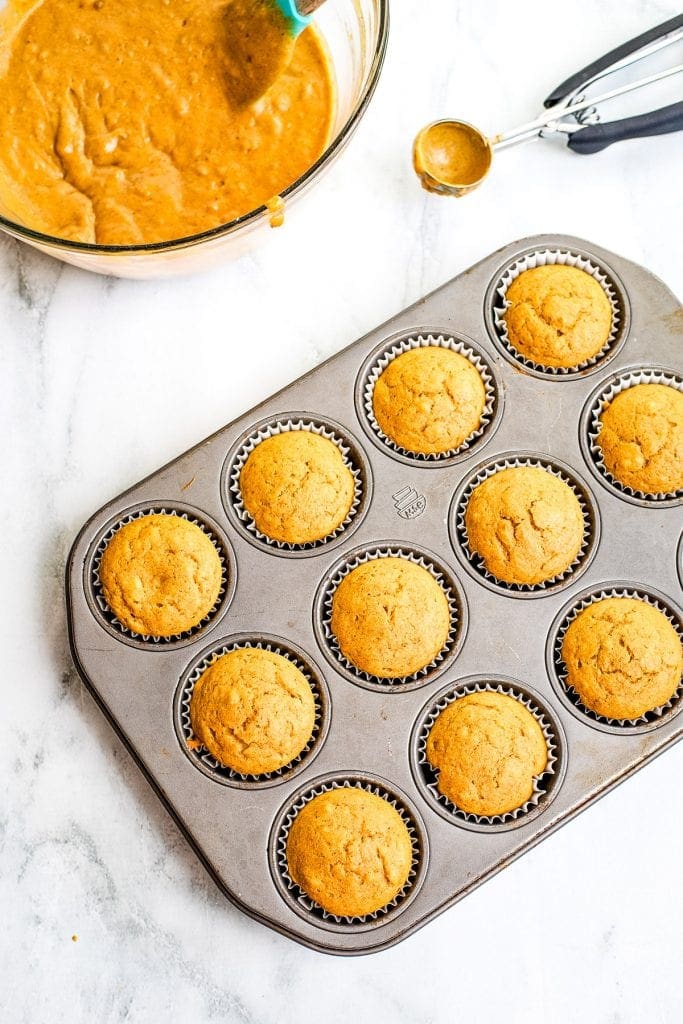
(307, 7)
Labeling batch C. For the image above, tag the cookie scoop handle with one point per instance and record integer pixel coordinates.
(599, 136)
(629, 52)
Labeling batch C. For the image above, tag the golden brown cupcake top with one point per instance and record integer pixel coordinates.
(429, 400)
(160, 575)
(350, 852)
(525, 523)
(390, 617)
(487, 747)
(641, 438)
(296, 487)
(623, 657)
(253, 710)
(558, 316)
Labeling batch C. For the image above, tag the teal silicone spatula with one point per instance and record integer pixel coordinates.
(260, 38)
(298, 12)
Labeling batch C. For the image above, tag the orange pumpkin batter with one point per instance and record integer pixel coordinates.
(120, 123)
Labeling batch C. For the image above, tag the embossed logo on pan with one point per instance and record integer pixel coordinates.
(408, 503)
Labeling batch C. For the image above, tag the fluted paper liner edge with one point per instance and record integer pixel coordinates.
(554, 257)
(222, 772)
(617, 385)
(658, 714)
(165, 509)
(281, 426)
(296, 893)
(442, 340)
(540, 788)
(391, 551)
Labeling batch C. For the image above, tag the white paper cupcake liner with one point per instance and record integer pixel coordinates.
(588, 509)
(281, 426)
(205, 761)
(456, 610)
(657, 715)
(543, 784)
(300, 900)
(98, 591)
(565, 258)
(397, 348)
(613, 387)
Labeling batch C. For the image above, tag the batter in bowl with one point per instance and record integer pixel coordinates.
(120, 122)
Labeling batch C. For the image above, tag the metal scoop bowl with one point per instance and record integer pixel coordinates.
(453, 157)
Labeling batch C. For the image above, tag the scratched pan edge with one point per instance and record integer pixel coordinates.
(135, 688)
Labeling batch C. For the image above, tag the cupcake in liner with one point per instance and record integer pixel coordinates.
(597, 404)
(395, 348)
(224, 595)
(565, 258)
(456, 607)
(301, 902)
(558, 674)
(476, 563)
(204, 760)
(545, 785)
(353, 461)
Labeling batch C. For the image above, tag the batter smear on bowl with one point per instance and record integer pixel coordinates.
(121, 123)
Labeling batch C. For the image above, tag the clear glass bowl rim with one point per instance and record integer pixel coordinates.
(260, 212)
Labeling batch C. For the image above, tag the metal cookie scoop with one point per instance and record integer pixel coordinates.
(453, 157)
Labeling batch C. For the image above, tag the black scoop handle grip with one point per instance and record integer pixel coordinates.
(595, 137)
(602, 63)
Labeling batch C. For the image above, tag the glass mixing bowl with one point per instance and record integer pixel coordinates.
(356, 35)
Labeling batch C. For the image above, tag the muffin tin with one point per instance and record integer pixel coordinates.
(370, 732)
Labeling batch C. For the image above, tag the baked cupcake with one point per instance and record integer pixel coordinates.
(486, 748)
(557, 316)
(296, 487)
(623, 657)
(390, 617)
(525, 524)
(429, 400)
(253, 710)
(160, 575)
(641, 438)
(349, 851)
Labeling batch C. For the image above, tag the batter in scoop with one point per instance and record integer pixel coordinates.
(120, 122)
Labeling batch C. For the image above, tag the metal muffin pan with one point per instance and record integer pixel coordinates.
(369, 731)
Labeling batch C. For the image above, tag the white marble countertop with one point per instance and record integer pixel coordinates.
(102, 381)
